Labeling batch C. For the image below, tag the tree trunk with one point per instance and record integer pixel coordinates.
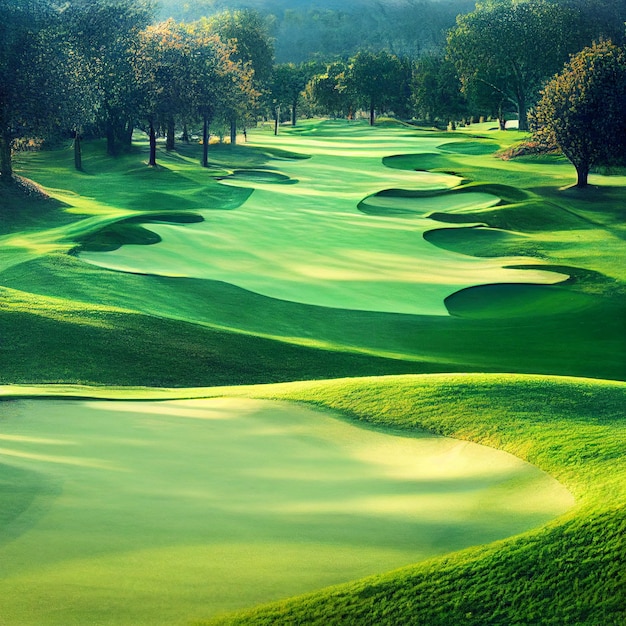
(233, 132)
(294, 116)
(185, 136)
(372, 115)
(170, 140)
(582, 172)
(78, 152)
(501, 118)
(152, 135)
(276, 120)
(6, 165)
(127, 139)
(523, 114)
(110, 135)
(205, 141)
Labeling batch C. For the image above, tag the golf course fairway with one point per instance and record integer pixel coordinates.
(299, 237)
(157, 512)
(343, 375)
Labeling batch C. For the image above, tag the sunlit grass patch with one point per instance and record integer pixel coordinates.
(308, 243)
(571, 428)
(181, 508)
(568, 572)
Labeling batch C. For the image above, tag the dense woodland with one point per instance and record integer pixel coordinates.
(102, 68)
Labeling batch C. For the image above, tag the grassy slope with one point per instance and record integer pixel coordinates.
(576, 328)
(569, 572)
(227, 505)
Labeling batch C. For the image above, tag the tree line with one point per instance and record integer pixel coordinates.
(102, 68)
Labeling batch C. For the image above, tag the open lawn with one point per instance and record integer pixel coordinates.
(157, 512)
(334, 250)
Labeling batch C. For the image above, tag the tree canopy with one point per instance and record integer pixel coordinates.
(512, 47)
(380, 81)
(28, 101)
(582, 110)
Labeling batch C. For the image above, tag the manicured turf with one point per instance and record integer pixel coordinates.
(569, 571)
(156, 512)
(533, 222)
(321, 253)
(305, 243)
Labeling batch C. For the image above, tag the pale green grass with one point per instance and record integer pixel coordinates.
(158, 512)
(575, 328)
(308, 243)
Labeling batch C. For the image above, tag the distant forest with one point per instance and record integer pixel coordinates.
(306, 30)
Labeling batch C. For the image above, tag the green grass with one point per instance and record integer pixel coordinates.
(242, 261)
(568, 572)
(322, 254)
(222, 498)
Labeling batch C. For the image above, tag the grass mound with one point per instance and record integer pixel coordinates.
(215, 504)
(424, 204)
(570, 572)
(131, 232)
(259, 176)
(469, 147)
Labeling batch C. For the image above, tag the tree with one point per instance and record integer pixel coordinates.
(602, 19)
(109, 35)
(222, 85)
(171, 49)
(379, 80)
(436, 91)
(248, 33)
(28, 91)
(77, 43)
(512, 47)
(209, 72)
(330, 91)
(287, 86)
(582, 110)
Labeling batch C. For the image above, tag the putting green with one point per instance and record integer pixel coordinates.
(307, 241)
(160, 512)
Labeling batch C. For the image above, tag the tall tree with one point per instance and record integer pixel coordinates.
(28, 92)
(582, 110)
(513, 46)
(288, 83)
(109, 35)
(328, 91)
(436, 90)
(380, 81)
(171, 53)
(248, 32)
(164, 65)
(210, 71)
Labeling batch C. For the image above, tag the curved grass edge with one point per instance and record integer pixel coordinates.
(569, 571)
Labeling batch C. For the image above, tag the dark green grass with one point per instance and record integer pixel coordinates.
(470, 147)
(480, 336)
(569, 572)
(53, 341)
(24, 207)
